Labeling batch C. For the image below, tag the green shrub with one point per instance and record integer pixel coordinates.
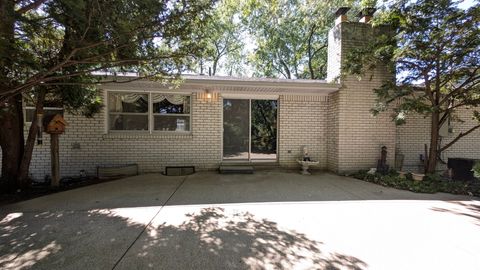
(476, 170)
(360, 174)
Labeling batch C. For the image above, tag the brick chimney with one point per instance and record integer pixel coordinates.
(340, 15)
(355, 137)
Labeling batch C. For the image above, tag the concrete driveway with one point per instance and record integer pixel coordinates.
(268, 220)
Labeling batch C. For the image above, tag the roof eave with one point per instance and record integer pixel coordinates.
(235, 85)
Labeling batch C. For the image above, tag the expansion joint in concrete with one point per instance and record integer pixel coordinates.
(149, 223)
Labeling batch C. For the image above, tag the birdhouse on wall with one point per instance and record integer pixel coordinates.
(56, 124)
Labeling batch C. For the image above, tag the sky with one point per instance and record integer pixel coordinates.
(467, 3)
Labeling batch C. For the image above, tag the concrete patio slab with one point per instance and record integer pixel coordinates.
(268, 220)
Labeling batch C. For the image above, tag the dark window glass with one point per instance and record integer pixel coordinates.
(128, 122)
(171, 104)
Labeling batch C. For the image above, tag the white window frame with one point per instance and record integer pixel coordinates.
(150, 113)
(172, 114)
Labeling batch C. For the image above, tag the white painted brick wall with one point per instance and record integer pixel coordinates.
(415, 133)
(303, 121)
(152, 152)
(332, 131)
(339, 132)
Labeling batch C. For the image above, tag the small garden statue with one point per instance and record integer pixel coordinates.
(306, 161)
(382, 166)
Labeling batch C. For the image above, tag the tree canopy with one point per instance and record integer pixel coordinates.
(223, 45)
(279, 39)
(290, 36)
(52, 42)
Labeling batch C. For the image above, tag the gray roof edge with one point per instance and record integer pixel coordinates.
(246, 79)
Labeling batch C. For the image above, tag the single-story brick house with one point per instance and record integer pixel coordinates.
(207, 121)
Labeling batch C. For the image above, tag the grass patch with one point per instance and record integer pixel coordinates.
(430, 183)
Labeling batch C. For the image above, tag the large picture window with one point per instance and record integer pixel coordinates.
(148, 112)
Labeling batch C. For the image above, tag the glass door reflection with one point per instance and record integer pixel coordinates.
(263, 129)
(236, 129)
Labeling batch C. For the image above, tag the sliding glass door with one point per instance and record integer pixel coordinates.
(236, 128)
(249, 129)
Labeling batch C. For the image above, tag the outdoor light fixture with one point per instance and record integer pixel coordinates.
(208, 95)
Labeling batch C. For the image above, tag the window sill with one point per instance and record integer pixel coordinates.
(147, 136)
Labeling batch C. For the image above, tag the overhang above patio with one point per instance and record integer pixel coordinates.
(231, 85)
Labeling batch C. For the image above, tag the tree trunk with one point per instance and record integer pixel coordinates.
(55, 160)
(11, 140)
(433, 153)
(310, 68)
(23, 177)
(214, 69)
(310, 59)
(201, 66)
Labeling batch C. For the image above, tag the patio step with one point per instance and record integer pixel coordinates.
(244, 169)
(257, 166)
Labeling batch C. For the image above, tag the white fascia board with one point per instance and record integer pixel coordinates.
(231, 85)
(249, 96)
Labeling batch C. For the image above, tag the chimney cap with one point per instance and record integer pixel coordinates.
(367, 12)
(341, 11)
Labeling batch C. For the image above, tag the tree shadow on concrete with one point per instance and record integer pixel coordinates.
(64, 239)
(215, 239)
(210, 238)
(467, 209)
